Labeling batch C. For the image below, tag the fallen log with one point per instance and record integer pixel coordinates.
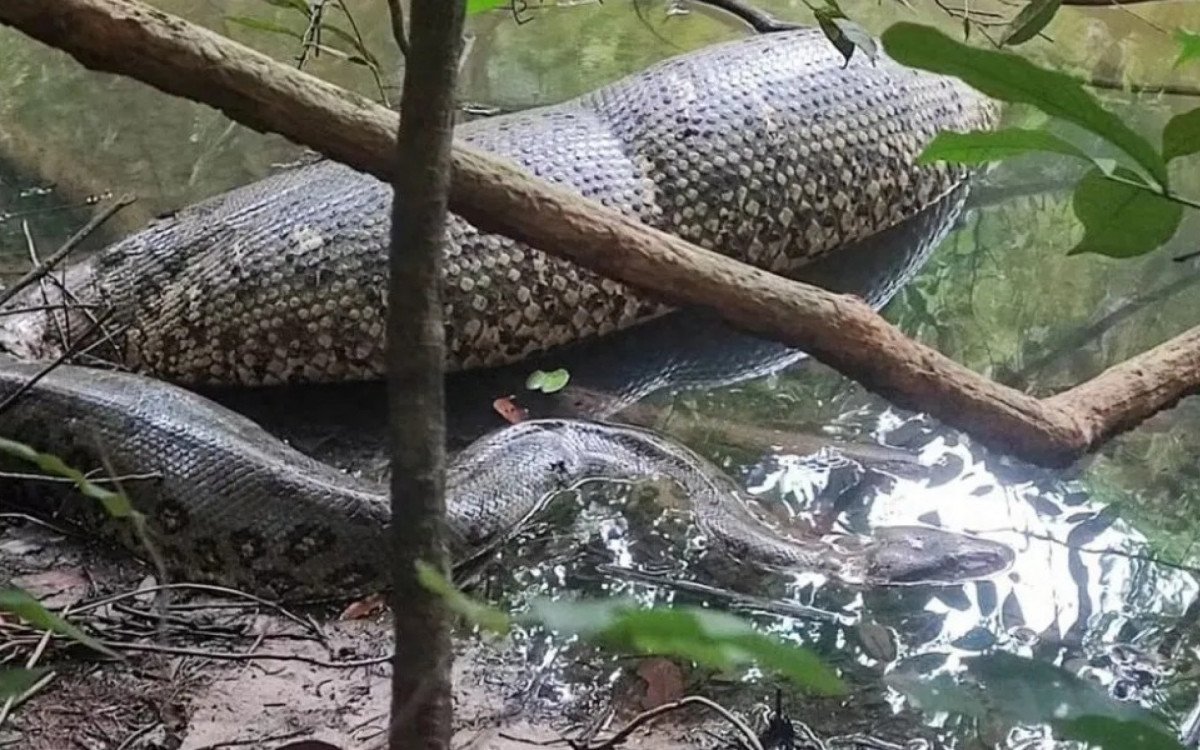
(130, 38)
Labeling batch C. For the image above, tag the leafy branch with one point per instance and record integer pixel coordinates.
(312, 37)
(1126, 205)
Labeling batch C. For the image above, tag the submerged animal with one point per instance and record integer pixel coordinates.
(770, 150)
(228, 502)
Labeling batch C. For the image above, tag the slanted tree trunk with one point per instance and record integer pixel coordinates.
(421, 702)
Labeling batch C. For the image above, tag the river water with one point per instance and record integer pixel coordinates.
(1101, 584)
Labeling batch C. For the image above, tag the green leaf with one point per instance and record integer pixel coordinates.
(713, 639)
(299, 5)
(31, 611)
(14, 682)
(480, 6)
(1120, 220)
(548, 382)
(488, 618)
(859, 37)
(981, 146)
(844, 34)
(1012, 78)
(1181, 136)
(1030, 21)
(115, 503)
(262, 25)
(1189, 46)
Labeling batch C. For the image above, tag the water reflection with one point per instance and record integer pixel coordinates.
(1000, 295)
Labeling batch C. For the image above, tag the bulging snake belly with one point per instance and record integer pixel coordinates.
(769, 150)
(227, 502)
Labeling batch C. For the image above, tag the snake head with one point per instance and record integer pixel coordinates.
(909, 555)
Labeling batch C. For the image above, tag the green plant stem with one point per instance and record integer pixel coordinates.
(1168, 195)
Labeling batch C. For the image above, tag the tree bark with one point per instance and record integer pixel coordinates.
(124, 36)
(416, 352)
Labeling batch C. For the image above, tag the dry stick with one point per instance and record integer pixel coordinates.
(38, 273)
(239, 656)
(50, 366)
(757, 19)
(206, 587)
(1170, 89)
(127, 37)
(396, 11)
(654, 713)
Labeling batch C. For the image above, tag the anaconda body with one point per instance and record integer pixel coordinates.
(227, 502)
(770, 150)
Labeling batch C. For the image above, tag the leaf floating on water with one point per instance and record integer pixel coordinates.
(877, 641)
(548, 382)
(1026, 691)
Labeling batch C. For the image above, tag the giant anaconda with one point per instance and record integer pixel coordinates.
(228, 502)
(769, 149)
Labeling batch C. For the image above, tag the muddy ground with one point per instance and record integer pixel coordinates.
(222, 671)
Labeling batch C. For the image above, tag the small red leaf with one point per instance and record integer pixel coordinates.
(509, 409)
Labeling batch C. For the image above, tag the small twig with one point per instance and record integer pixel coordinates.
(35, 263)
(62, 252)
(654, 713)
(45, 308)
(759, 20)
(258, 741)
(132, 739)
(397, 14)
(238, 656)
(207, 587)
(67, 354)
(733, 598)
(1171, 89)
(67, 480)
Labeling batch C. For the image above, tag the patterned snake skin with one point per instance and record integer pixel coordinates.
(227, 502)
(768, 149)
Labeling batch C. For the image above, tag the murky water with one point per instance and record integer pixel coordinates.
(1101, 583)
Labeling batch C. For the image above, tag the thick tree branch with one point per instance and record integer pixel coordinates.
(123, 36)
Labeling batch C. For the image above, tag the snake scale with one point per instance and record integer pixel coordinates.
(770, 149)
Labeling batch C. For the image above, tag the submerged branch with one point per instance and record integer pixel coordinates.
(127, 37)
